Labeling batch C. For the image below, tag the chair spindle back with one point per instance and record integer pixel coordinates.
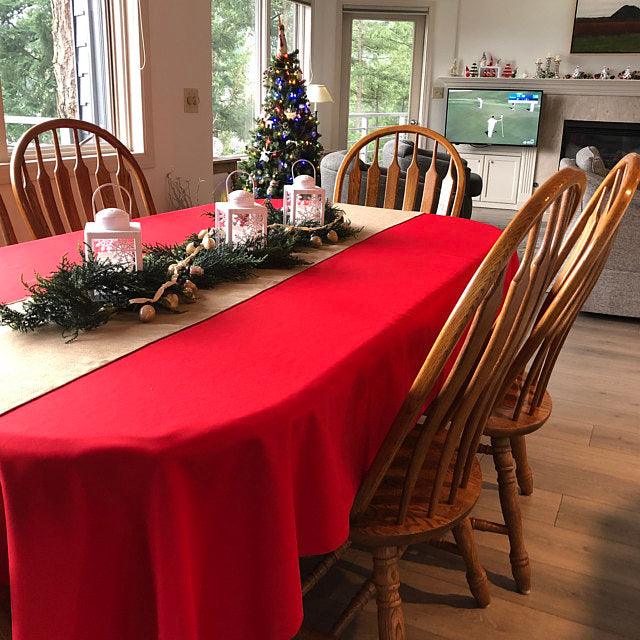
(486, 325)
(586, 250)
(441, 195)
(54, 196)
(6, 228)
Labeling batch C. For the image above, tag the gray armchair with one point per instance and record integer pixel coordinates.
(332, 161)
(617, 292)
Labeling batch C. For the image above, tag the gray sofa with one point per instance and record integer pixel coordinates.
(332, 161)
(617, 292)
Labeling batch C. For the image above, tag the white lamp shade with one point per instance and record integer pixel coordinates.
(318, 93)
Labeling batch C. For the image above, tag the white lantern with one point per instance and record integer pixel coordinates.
(112, 236)
(241, 218)
(303, 200)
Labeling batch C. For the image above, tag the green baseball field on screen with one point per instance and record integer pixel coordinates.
(497, 117)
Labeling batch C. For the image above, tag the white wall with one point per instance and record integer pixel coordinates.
(523, 30)
(179, 57)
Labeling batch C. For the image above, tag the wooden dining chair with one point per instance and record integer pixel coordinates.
(522, 403)
(439, 195)
(54, 199)
(6, 228)
(426, 478)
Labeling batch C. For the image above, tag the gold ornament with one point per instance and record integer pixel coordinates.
(191, 247)
(332, 236)
(208, 242)
(171, 300)
(196, 270)
(147, 313)
(290, 114)
(316, 241)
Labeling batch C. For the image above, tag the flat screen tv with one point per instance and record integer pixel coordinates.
(495, 116)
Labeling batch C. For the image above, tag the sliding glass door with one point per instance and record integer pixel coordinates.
(383, 72)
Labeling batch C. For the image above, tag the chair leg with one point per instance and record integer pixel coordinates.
(523, 470)
(509, 501)
(386, 575)
(476, 575)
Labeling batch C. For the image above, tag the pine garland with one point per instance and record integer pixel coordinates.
(84, 295)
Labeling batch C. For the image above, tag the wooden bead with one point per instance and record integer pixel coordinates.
(316, 241)
(173, 268)
(208, 242)
(147, 313)
(171, 300)
(202, 233)
(332, 236)
(196, 270)
(191, 247)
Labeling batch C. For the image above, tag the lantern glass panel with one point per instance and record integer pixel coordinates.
(246, 226)
(309, 207)
(118, 250)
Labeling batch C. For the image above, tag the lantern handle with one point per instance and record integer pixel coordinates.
(110, 184)
(293, 166)
(253, 180)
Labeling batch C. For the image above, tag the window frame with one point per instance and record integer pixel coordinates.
(127, 22)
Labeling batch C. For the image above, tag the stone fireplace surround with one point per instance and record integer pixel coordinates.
(590, 100)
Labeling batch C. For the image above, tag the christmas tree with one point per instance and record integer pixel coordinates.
(287, 130)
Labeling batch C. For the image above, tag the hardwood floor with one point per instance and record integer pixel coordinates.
(582, 523)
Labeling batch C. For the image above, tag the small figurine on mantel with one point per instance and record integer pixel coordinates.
(454, 71)
(605, 74)
(627, 74)
(507, 72)
(467, 72)
(474, 70)
(577, 72)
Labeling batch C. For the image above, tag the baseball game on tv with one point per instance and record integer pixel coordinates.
(496, 117)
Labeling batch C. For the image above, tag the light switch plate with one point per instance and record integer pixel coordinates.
(437, 93)
(191, 101)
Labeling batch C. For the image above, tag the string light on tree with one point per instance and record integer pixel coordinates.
(288, 129)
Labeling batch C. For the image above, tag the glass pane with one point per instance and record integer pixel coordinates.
(381, 70)
(45, 45)
(235, 55)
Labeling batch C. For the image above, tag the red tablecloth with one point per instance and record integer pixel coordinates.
(169, 494)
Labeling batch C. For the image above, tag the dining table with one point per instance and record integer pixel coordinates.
(162, 481)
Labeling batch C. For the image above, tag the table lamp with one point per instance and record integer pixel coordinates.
(318, 93)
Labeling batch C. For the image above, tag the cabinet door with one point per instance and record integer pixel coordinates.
(501, 176)
(476, 165)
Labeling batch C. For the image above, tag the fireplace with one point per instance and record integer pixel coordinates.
(613, 139)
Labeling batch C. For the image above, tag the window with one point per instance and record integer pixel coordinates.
(64, 58)
(242, 33)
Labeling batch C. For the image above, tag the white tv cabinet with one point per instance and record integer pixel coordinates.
(507, 173)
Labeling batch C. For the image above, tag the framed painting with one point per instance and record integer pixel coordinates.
(606, 26)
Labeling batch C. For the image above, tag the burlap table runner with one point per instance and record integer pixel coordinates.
(35, 363)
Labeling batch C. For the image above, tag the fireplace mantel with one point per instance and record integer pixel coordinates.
(551, 86)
